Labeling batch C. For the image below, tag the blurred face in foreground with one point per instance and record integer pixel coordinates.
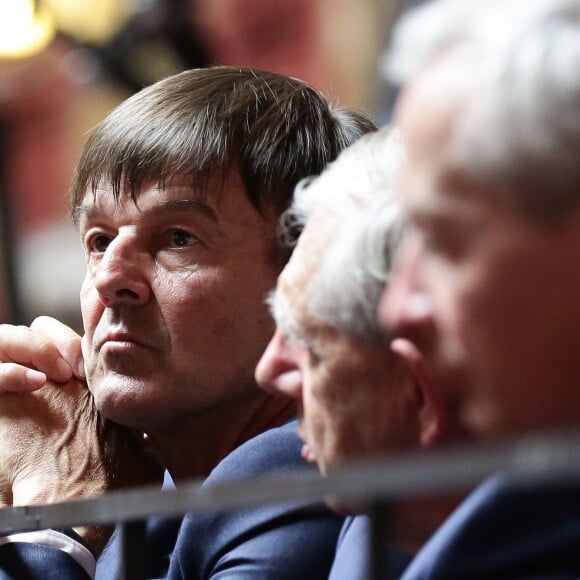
(500, 291)
(355, 398)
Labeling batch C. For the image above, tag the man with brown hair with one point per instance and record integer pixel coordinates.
(176, 198)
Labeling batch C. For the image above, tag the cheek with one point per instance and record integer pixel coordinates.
(227, 326)
(314, 410)
(190, 301)
(477, 305)
(91, 307)
(329, 407)
(309, 403)
(453, 295)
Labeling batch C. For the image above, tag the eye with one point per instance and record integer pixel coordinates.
(182, 238)
(99, 243)
(448, 244)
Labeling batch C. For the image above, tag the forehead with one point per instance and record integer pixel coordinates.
(222, 201)
(150, 199)
(307, 254)
(292, 286)
(432, 182)
(209, 187)
(433, 100)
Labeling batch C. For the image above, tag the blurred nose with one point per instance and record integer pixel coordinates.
(278, 370)
(120, 276)
(405, 308)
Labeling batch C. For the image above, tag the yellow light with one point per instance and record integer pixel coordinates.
(23, 32)
(92, 21)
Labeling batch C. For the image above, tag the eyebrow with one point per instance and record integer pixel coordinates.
(443, 218)
(169, 206)
(195, 204)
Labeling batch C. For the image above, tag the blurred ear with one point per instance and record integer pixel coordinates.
(432, 417)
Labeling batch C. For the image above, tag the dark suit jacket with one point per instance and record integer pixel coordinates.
(291, 541)
(506, 530)
(352, 560)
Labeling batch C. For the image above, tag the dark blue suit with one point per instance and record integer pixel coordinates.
(291, 541)
(352, 562)
(506, 530)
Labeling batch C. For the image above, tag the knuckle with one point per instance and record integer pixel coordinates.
(39, 322)
(9, 375)
(44, 348)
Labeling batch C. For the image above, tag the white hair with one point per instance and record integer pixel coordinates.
(353, 202)
(518, 62)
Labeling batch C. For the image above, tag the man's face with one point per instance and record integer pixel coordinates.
(173, 301)
(501, 292)
(354, 398)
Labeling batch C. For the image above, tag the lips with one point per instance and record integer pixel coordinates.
(121, 337)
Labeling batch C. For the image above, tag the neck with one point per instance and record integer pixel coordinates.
(194, 447)
(416, 519)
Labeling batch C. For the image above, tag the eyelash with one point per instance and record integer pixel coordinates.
(445, 244)
(92, 240)
(192, 237)
(297, 339)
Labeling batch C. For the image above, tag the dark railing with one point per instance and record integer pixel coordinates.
(10, 300)
(535, 459)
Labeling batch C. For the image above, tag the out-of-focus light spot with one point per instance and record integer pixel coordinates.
(24, 31)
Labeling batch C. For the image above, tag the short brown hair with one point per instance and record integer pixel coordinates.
(200, 123)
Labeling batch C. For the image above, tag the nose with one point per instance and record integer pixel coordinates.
(405, 308)
(120, 275)
(278, 370)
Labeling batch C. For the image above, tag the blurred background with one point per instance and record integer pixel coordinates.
(65, 63)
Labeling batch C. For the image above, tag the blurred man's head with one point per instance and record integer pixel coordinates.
(356, 397)
(177, 197)
(490, 117)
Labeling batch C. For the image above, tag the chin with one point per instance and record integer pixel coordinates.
(482, 422)
(343, 507)
(119, 405)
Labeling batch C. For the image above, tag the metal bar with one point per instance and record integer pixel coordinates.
(133, 565)
(535, 459)
(12, 302)
(380, 515)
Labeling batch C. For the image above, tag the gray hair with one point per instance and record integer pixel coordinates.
(353, 201)
(519, 64)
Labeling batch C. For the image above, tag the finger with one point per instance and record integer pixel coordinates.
(18, 344)
(20, 379)
(65, 339)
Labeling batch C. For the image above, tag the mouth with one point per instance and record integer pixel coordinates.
(121, 340)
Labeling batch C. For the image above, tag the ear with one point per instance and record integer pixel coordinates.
(432, 416)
